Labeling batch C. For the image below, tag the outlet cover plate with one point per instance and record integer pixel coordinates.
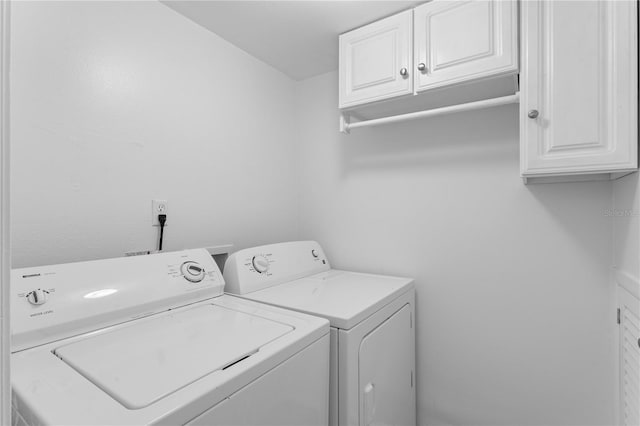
(158, 207)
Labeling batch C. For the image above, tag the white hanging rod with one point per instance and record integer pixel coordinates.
(345, 126)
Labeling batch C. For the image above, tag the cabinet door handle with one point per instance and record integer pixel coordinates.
(404, 72)
(533, 114)
(422, 67)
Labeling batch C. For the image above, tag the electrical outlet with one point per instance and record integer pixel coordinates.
(158, 207)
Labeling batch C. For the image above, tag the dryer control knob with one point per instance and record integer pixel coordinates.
(192, 271)
(260, 264)
(314, 253)
(38, 296)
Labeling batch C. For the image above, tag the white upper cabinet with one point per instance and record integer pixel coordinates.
(376, 61)
(578, 83)
(577, 63)
(459, 41)
(440, 43)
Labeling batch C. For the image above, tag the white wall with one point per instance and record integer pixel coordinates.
(513, 289)
(117, 103)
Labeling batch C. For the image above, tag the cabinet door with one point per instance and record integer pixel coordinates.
(629, 351)
(372, 60)
(579, 98)
(460, 41)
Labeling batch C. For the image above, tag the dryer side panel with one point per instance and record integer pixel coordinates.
(334, 392)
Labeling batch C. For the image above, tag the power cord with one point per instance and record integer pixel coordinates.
(162, 218)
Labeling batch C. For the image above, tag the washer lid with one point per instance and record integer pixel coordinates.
(142, 363)
(344, 298)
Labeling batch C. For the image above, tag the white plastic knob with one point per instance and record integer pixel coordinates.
(38, 296)
(260, 264)
(192, 271)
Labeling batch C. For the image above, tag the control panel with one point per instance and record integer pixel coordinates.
(261, 267)
(57, 301)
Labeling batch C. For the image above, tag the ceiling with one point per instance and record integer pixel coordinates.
(299, 38)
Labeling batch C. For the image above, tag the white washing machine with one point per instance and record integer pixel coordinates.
(372, 335)
(153, 340)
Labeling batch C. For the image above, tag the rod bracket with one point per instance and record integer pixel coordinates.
(344, 124)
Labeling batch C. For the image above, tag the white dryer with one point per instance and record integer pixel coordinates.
(153, 340)
(372, 334)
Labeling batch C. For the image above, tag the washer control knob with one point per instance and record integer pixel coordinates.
(38, 296)
(192, 271)
(260, 264)
(314, 253)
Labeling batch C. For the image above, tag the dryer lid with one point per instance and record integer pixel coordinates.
(344, 298)
(150, 359)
